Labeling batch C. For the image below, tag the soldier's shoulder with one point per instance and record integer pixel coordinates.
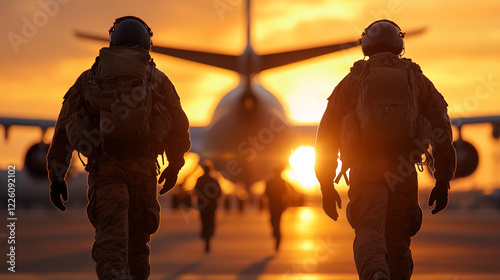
(358, 66)
(159, 75)
(414, 66)
(79, 85)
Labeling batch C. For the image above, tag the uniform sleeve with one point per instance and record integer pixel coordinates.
(328, 134)
(178, 140)
(435, 110)
(60, 152)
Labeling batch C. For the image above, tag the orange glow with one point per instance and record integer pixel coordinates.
(305, 214)
(302, 168)
(39, 70)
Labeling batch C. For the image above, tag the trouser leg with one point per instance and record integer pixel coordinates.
(275, 223)
(404, 219)
(385, 213)
(367, 213)
(144, 218)
(207, 217)
(108, 213)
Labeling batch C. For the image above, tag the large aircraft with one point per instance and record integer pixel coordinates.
(249, 133)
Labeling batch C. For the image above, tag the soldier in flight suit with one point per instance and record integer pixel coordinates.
(122, 181)
(383, 208)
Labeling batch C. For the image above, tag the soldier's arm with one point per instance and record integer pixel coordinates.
(435, 110)
(60, 152)
(178, 140)
(328, 134)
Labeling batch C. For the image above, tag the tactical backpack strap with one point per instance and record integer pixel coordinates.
(343, 172)
(85, 104)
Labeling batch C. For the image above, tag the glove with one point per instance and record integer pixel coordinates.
(58, 189)
(439, 195)
(169, 175)
(330, 200)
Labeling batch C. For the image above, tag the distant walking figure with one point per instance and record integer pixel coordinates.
(382, 117)
(276, 189)
(207, 191)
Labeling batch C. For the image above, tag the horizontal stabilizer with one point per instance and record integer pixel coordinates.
(91, 36)
(228, 62)
(280, 59)
(284, 58)
(224, 61)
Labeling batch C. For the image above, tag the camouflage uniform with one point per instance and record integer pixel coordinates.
(122, 192)
(383, 208)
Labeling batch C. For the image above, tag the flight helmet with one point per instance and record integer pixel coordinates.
(382, 36)
(130, 31)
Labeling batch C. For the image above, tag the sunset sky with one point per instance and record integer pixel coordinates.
(459, 52)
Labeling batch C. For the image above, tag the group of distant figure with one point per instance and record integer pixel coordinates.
(208, 190)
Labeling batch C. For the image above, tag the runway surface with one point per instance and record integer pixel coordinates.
(453, 245)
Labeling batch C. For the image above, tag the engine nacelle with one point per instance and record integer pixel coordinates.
(467, 158)
(35, 161)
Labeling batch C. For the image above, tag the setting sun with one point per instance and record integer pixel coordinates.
(302, 168)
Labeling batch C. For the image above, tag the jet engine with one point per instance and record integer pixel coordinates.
(35, 161)
(467, 158)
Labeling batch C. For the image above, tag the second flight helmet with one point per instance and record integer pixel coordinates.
(130, 31)
(382, 36)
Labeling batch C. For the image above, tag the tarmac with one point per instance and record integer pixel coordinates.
(452, 245)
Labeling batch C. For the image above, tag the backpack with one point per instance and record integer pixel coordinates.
(385, 120)
(119, 110)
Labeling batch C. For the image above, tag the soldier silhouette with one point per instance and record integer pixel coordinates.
(276, 190)
(121, 114)
(382, 117)
(207, 190)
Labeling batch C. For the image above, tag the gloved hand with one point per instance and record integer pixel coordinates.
(330, 200)
(169, 175)
(58, 189)
(439, 195)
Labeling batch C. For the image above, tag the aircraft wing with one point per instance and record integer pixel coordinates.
(229, 62)
(197, 132)
(459, 122)
(44, 124)
(284, 58)
(306, 135)
(8, 122)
